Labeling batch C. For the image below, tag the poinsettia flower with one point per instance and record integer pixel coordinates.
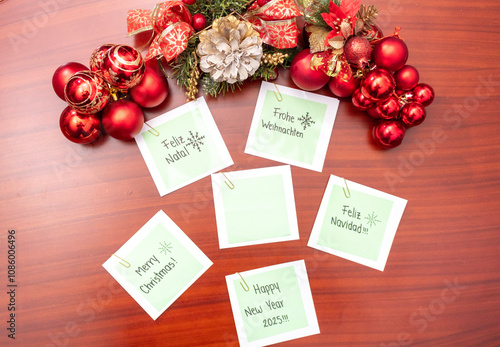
(342, 20)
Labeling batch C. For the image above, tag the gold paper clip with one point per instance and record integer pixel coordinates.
(228, 180)
(126, 263)
(154, 131)
(247, 287)
(348, 194)
(280, 98)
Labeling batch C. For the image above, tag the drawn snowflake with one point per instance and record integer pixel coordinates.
(306, 121)
(372, 219)
(165, 247)
(195, 140)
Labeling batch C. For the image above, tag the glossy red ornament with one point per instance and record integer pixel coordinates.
(406, 78)
(122, 66)
(303, 75)
(122, 119)
(86, 92)
(199, 22)
(360, 101)
(342, 88)
(412, 114)
(387, 109)
(424, 94)
(97, 56)
(79, 127)
(62, 75)
(152, 90)
(189, 2)
(262, 2)
(357, 51)
(390, 53)
(389, 133)
(377, 85)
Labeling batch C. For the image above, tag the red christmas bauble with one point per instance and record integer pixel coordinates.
(342, 88)
(387, 109)
(152, 90)
(62, 75)
(412, 114)
(377, 85)
(406, 78)
(97, 56)
(79, 127)
(424, 94)
(390, 53)
(303, 75)
(122, 66)
(199, 22)
(357, 51)
(189, 2)
(262, 2)
(122, 119)
(360, 101)
(389, 133)
(86, 92)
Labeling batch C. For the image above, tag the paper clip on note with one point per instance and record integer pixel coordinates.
(230, 184)
(348, 194)
(153, 130)
(280, 97)
(245, 287)
(125, 263)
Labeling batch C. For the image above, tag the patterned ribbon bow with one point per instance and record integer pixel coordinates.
(170, 22)
(275, 21)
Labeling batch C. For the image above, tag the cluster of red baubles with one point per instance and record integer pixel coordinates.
(109, 95)
(388, 90)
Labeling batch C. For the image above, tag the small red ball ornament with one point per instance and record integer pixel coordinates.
(406, 78)
(377, 85)
(152, 90)
(360, 101)
(342, 88)
(390, 53)
(87, 92)
(122, 66)
(358, 50)
(79, 127)
(122, 119)
(97, 56)
(189, 2)
(412, 114)
(199, 22)
(389, 133)
(387, 109)
(62, 75)
(424, 94)
(303, 75)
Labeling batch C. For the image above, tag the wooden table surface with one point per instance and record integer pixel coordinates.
(72, 206)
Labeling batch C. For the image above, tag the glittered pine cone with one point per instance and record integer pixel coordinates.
(230, 51)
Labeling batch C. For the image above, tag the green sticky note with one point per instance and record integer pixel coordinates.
(272, 304)
(183, 146)
(255, 206)
(294, 128)
(357, 222)
(157, 264)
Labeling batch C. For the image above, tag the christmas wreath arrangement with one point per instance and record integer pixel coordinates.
(216, 45)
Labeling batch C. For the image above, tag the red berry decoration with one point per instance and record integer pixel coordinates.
(122, 119)
(86, 92)
(412, 114)
(303, 75)
(342, 88)
(189, 2)
(360, 101)
(152, 90)
(390, 53)
(387, 109)
(406, 78)
(97, 56)
(377, 85)
(262, 2)
(199, 22)
(357, 51)
(424, 94)
(62, 75)
(122, 66)
(79, 127)
(389, 133)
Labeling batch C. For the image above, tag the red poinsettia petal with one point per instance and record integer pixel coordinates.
(350, 7)
(329, 19)
(335, 11)
(330, 35)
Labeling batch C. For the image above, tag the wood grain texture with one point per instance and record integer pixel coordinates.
(73, 206)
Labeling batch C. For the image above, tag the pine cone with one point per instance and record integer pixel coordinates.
(231, 51)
